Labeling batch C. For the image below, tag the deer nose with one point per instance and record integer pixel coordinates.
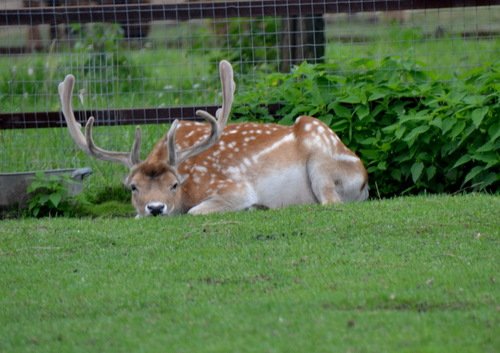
(155, 208)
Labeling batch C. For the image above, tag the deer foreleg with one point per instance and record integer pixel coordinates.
(235, 199)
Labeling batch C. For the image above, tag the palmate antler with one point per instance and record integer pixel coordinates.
(217, 125)
(86, 142)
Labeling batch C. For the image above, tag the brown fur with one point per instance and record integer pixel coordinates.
(202, 176)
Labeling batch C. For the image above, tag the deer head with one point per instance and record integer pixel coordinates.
(208, 167)
(155, 182)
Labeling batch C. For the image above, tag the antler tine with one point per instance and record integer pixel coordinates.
(172, 151)
(86, 142)
(65, 92)
(228, 88)
(217, 125)
(127, 158)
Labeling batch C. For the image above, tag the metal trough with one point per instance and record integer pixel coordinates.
(13, 186)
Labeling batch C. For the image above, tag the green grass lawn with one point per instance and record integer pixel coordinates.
(415, 274)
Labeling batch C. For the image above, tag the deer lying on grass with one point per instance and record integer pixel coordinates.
(200, 168)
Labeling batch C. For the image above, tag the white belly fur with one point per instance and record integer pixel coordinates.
(283, 187)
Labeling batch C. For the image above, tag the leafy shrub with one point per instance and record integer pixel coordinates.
(248, 44)
(49, 196)
(107, 67)
(415, 134)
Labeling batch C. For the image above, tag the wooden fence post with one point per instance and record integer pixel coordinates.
(303, 39)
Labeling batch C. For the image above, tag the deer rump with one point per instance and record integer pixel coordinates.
(201, 168)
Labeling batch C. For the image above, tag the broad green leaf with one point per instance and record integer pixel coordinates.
(472, 174)
(43, 199)
(382, 165)
(488, 146)
(377, 94)
(400, 132)
(327, 119)
(413, 134)
(55, 199)
(487, 157)
(351, 99)
(377, 110)
(362, 111)
(396, 174)
(494, 131)
(457, 129)
(462, 160)
(368, 141)
(390, 128)
(478, 115)
(415, 116)
(35, 185)
(416, 171)
(385, 147)
(336, 78)
(489, 179)
(448, 124)
(431, 172)
(475, 100)
(370, 154)
(339, 125)
(340, 110)
(438, 122)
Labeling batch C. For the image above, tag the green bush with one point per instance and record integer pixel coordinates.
(49, 196)
(107, 67)
(415, 134)
(250, 45)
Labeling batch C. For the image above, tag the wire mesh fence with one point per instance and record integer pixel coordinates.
(151, 61)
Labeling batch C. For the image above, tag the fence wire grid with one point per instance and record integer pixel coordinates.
(147, 62)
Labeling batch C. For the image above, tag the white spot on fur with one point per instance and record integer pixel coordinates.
(346, 158)
(277, 144)
(201, 169)
(234, 172)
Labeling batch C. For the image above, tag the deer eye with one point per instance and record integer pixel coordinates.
(133, 187)
(174, 186)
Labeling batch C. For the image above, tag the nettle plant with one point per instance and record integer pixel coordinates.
(49, 195)
(414, 133)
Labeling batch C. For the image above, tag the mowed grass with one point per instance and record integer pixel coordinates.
(413, 274)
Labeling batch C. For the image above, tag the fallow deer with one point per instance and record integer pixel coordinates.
(200, 168)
